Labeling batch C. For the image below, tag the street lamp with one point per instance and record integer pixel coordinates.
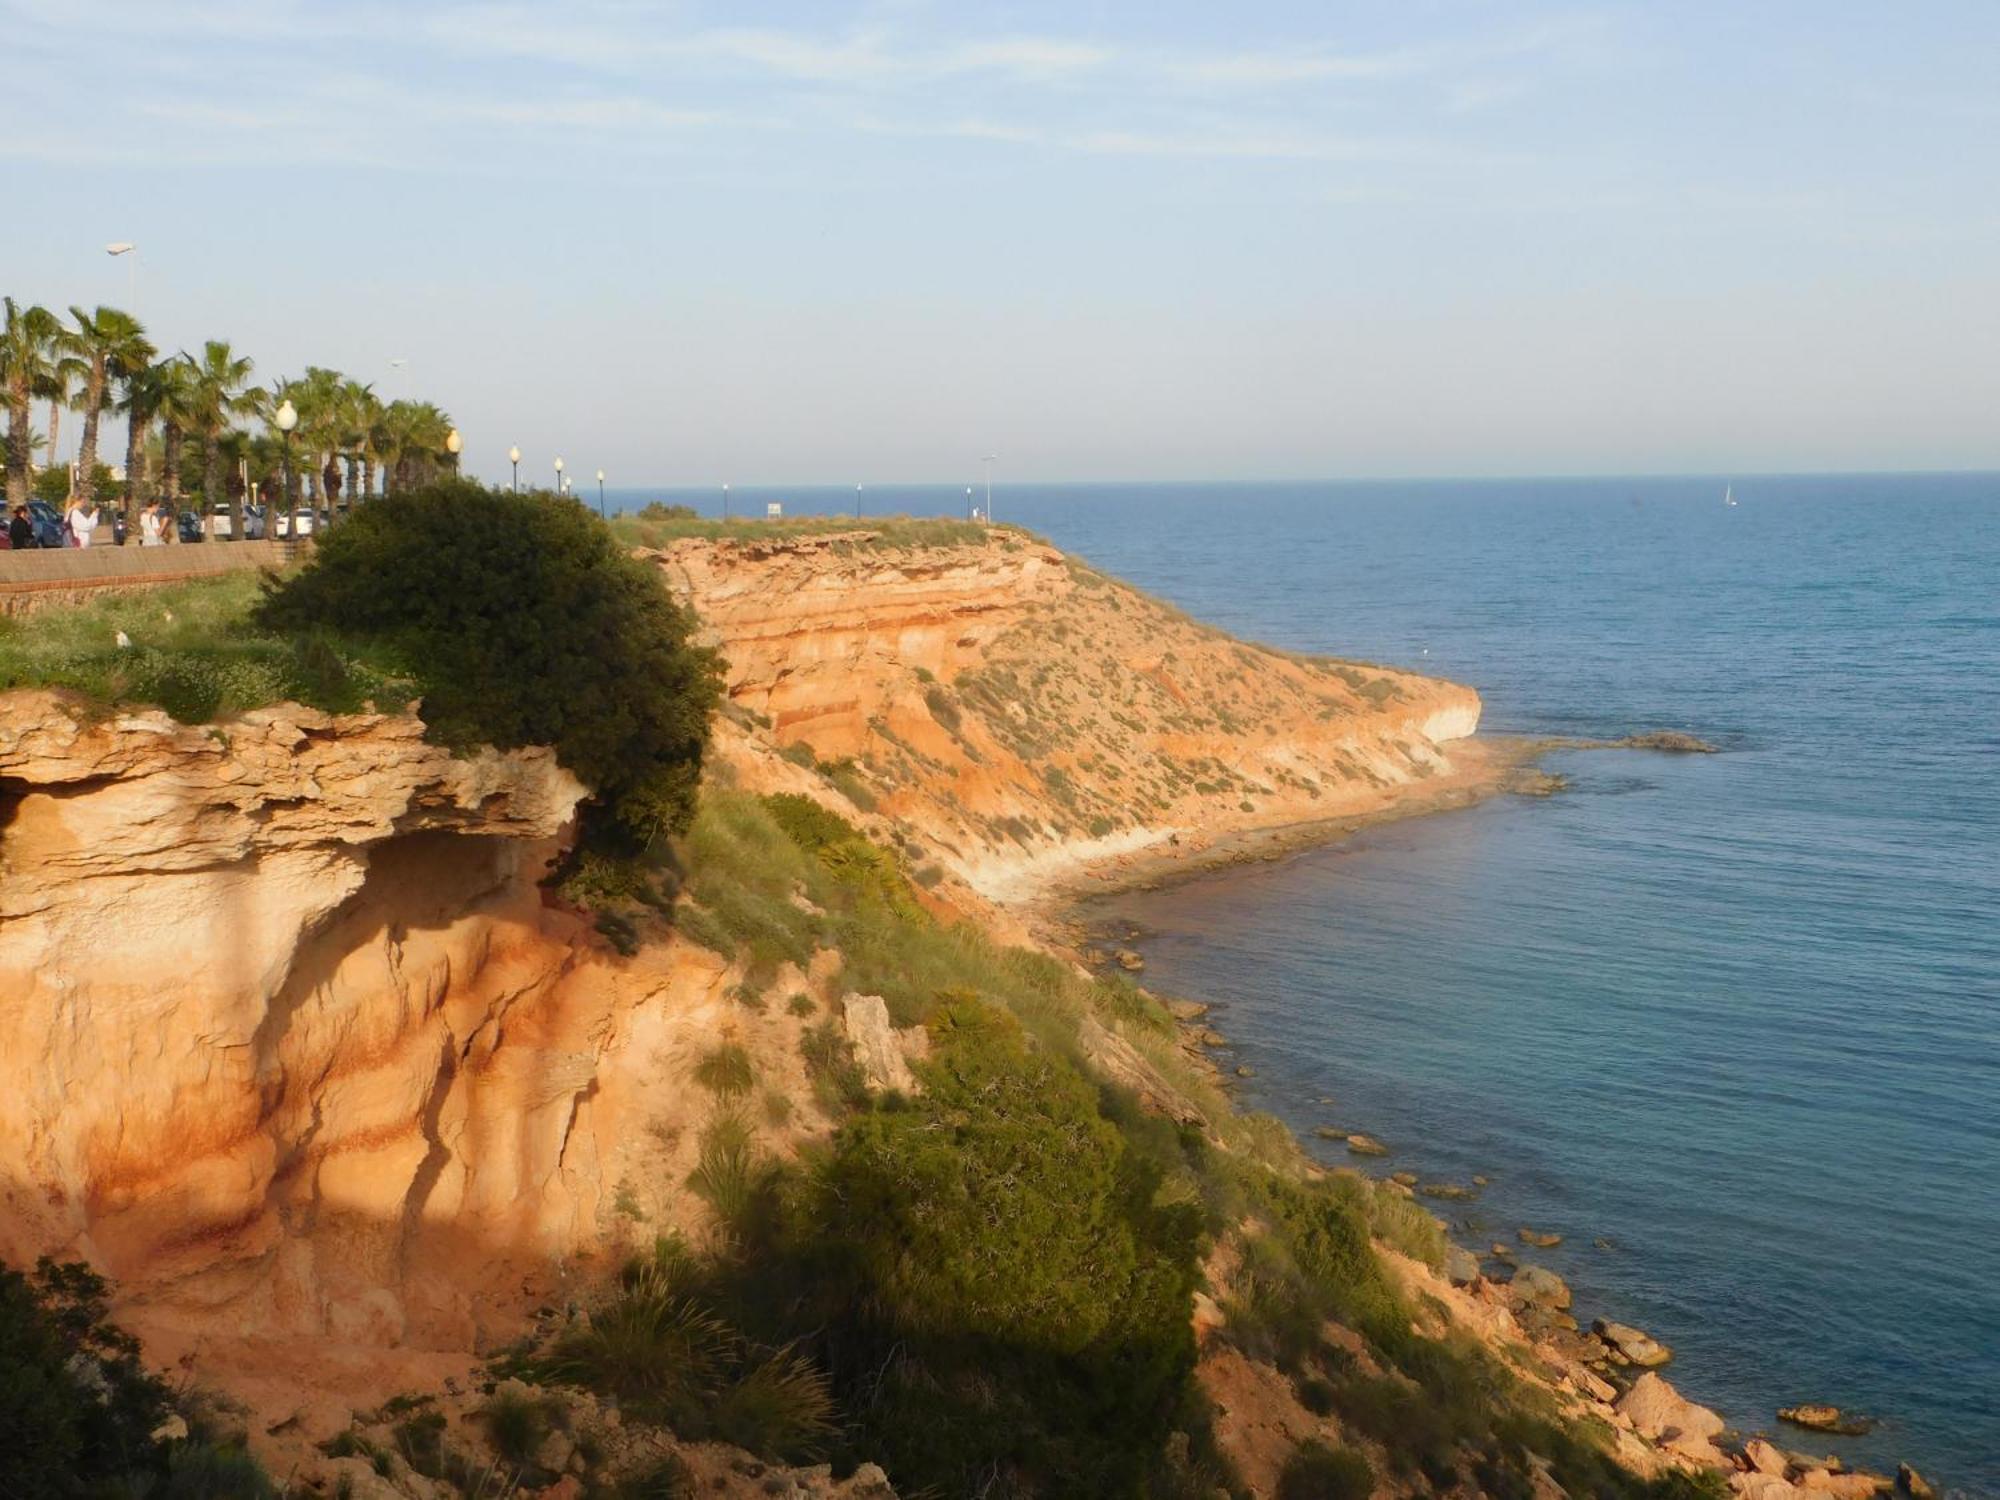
(287, 418)
(857, 502)
(600, 494)
(453, 444)
(514, 458)
(988, 461)
(125, 247)
(725, 502)
(968, 502)
(559, 479)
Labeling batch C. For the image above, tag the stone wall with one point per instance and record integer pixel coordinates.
(47, 577)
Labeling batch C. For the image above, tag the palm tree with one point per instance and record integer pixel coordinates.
(110, 343)
(143, 397)
(176, 408)
(318, 402)
(375, 442)
(354, 421)
(221, 392)
(27, 351)
(58, 387)
(417, 431)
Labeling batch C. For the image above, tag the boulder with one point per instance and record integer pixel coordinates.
(1633, 1344)
(1657, 1411)
(1843, 1486)
(1404, 1179)
(1244, 1070)
(1754, 1486)
(1538, 1239)
(1765, 1458)
(1366, 1145)
(1186, 1010)
(1909, 1482)
(1822, 1418)
(1538, 1286)
(878, 1047)
(1461, 1266)
(1129, 961)
(1329, 1132)
(1210, 1037)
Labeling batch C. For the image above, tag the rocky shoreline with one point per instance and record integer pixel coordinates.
(1611, 1365)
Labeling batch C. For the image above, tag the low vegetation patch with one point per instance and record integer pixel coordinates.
(656, 526)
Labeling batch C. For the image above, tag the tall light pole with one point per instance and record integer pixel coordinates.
(968, 502)
(988, 461)
(287, 418)
(514, 458)
(126, 248)
(559, 479)
(453, 444)
(600, 494)
(725, 502)
(857, 502)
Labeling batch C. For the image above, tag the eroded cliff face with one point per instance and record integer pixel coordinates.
(295, 1050)
(1024, 719)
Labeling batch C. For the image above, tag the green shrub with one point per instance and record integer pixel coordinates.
(725, 1071)
(516, 1424)
(523, 623)
(1317, 1472)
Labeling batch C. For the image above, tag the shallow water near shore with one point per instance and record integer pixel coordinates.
(1737, 1016)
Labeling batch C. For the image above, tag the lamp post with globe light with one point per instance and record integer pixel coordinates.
(514, 458)
(600, 494)
(287, 418)
(454, 445)
(559, 479)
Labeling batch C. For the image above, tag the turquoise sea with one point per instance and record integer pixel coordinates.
(1735, 1016)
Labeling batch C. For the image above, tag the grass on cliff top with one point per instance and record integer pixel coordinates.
(195, 653)
(657, 526)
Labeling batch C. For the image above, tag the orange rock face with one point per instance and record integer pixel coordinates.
(294, 1045)
(1026, 718)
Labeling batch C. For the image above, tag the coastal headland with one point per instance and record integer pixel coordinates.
(345, 1100)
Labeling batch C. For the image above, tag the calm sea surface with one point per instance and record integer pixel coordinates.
(1738, 1016)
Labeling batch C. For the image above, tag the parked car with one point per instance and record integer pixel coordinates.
(222, 528)
(48, 523)
(189, 524)
(297, 523)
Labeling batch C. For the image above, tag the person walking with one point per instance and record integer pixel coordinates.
(20, 530)
(82, 521)
(153, 525)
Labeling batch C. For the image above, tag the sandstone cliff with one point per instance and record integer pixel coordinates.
(303, 1058)
(1020, 719)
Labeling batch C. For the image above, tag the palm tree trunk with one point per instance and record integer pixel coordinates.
(170, 463)
(135, 471)
(312, 479)
(17, 444)
(353, 485)
(367, 477)
(213, 488)
(55, 429)
(86, 450)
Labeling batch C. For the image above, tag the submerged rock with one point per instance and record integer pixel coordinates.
(1329, 1132)
(1633, 1344)
(1244, 1070)
(1673, 741)
(1129, 961)
(1404, 1179)
(1451, 1191)
(1822, 1418)
(1366, 1145)
(1538, 1239)
(1909, 1482)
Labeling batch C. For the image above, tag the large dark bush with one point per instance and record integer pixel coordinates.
(524, 623)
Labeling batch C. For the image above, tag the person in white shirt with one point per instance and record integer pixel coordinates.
(152, 525)
(82, 521)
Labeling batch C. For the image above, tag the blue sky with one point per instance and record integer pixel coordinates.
(691, 242)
